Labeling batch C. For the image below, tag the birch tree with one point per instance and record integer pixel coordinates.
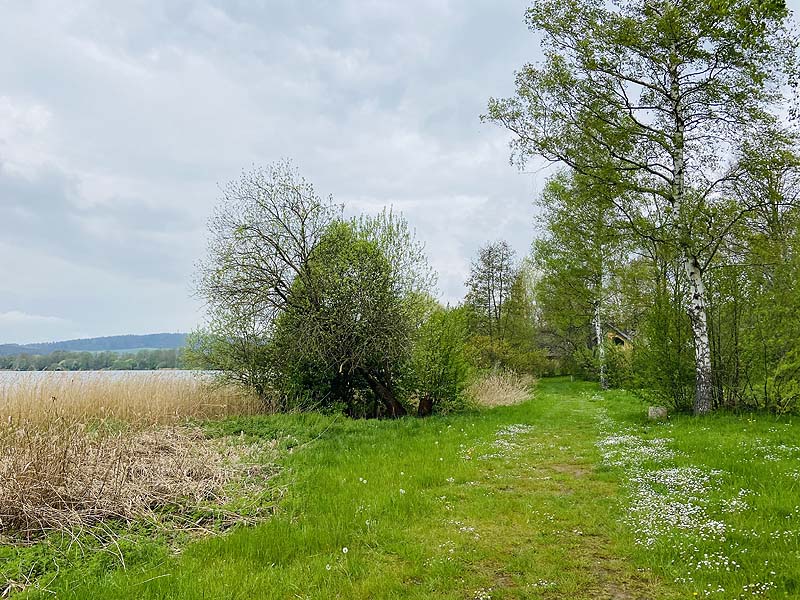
(577, 254)
(654, 98)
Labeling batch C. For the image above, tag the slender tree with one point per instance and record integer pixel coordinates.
(493, 273)
(578, 253)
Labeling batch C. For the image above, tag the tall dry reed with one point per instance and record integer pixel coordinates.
(65, 476)
(502, 388)
(138, 398)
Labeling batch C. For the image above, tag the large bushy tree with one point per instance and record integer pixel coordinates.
(305, 305)
(261, 236)
(346, 323)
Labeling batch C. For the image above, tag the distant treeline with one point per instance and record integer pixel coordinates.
(59, 360)
(115, 343)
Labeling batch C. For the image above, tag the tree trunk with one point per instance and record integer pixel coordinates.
(425, 406)
(704, 391)
(393, 406)
(601, 348)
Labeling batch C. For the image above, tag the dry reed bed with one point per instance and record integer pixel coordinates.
(134, 397)
(67, 477)
(78, 451)
(502, 388)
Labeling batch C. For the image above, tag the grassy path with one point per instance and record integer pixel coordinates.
(508, 503)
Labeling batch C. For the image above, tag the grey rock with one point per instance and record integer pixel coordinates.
(657, 413)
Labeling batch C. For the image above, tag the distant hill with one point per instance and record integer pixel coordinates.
(114, 343)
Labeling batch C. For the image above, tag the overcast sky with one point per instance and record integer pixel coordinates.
(120, 120)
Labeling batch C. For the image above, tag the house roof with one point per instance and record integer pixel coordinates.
(625, 335)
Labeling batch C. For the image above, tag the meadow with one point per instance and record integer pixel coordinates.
(569, 494)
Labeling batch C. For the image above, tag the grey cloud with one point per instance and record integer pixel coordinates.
(124, 234)
(152, 104)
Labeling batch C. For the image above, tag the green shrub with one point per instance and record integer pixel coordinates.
(783, 386)
(439, 369)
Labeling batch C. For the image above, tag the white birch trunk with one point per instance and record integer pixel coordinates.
(703, 392)
(601, 348)
(702, 347)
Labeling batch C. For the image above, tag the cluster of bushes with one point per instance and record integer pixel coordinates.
(312, 309)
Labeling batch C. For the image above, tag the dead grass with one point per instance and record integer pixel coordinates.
(139, 398)
(80, 449)
(69, 476)
(502, 388)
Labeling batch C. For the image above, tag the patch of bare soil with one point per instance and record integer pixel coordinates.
(571, 469)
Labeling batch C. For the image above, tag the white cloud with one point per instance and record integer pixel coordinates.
(23, 128)
(17, 326)
(18, 119)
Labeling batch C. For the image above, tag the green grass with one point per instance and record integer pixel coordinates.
(445, 508)
(753, 462)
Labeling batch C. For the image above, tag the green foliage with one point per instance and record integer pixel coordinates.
(346, 331)
(617, 364)
(500, 313)
(262, 234)
(488, 288)
(663, 356)
(486, 352)
(306, 308)
(393, 236)
(670, 111)
(440, 370)
(783, 385)
(235, 348)
(580, 260)
(521, 351)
